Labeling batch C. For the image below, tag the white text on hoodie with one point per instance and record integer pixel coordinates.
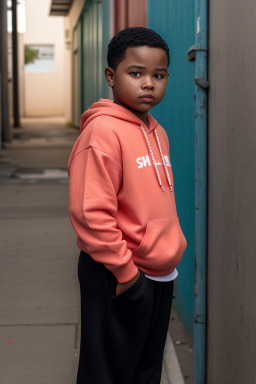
(145, 160)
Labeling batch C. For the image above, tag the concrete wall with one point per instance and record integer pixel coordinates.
(232, 198)
(21, 75)
(44, 92)
(68, 72)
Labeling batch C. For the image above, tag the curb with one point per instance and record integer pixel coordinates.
(172, 366)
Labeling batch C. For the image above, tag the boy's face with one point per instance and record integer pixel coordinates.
(139, 81)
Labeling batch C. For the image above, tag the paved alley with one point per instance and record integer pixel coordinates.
(38, 288)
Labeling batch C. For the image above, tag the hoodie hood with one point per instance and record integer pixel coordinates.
(109, 108)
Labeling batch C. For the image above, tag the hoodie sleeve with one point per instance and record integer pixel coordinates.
(95, 179)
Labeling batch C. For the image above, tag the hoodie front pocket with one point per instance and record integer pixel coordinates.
(163, 244)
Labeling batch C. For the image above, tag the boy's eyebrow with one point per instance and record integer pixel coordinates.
(135, 66)
(140, 67)
(161, 69)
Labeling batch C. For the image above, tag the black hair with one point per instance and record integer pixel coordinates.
(133, 37)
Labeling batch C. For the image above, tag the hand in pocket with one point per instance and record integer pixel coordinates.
(122, 287)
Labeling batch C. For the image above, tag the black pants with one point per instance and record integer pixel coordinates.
(122, 337)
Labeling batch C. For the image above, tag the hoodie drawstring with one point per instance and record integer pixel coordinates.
(154, 161)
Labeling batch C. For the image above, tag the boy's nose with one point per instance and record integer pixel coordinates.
(148, 83)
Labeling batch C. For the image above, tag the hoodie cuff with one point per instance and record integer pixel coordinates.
(126, 272)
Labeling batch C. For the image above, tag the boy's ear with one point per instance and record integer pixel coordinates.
(109, 74)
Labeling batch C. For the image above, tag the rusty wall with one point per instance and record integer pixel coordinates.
(130, 13)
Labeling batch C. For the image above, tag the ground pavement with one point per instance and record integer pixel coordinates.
(39, 293)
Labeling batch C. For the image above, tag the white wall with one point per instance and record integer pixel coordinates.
(44, 92)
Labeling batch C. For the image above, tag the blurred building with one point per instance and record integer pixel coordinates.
(43, 65)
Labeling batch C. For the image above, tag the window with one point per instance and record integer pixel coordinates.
(39, 58)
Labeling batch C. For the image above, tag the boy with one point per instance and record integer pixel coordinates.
(123, 210)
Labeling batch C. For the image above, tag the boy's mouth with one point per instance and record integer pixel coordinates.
(147, 97)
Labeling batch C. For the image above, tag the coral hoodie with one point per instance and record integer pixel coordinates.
(121, 196)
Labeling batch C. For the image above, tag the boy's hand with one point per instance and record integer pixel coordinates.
(121, 287)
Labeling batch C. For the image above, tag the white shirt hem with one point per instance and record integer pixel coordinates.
(165, 278)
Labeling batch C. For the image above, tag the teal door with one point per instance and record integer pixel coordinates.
(90, 40)
(91, 53)
(174, 21)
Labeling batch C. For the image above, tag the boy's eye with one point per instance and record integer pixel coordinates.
(159, 76)
(135, 74)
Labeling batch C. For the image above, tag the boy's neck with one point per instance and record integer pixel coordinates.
(140, 115)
